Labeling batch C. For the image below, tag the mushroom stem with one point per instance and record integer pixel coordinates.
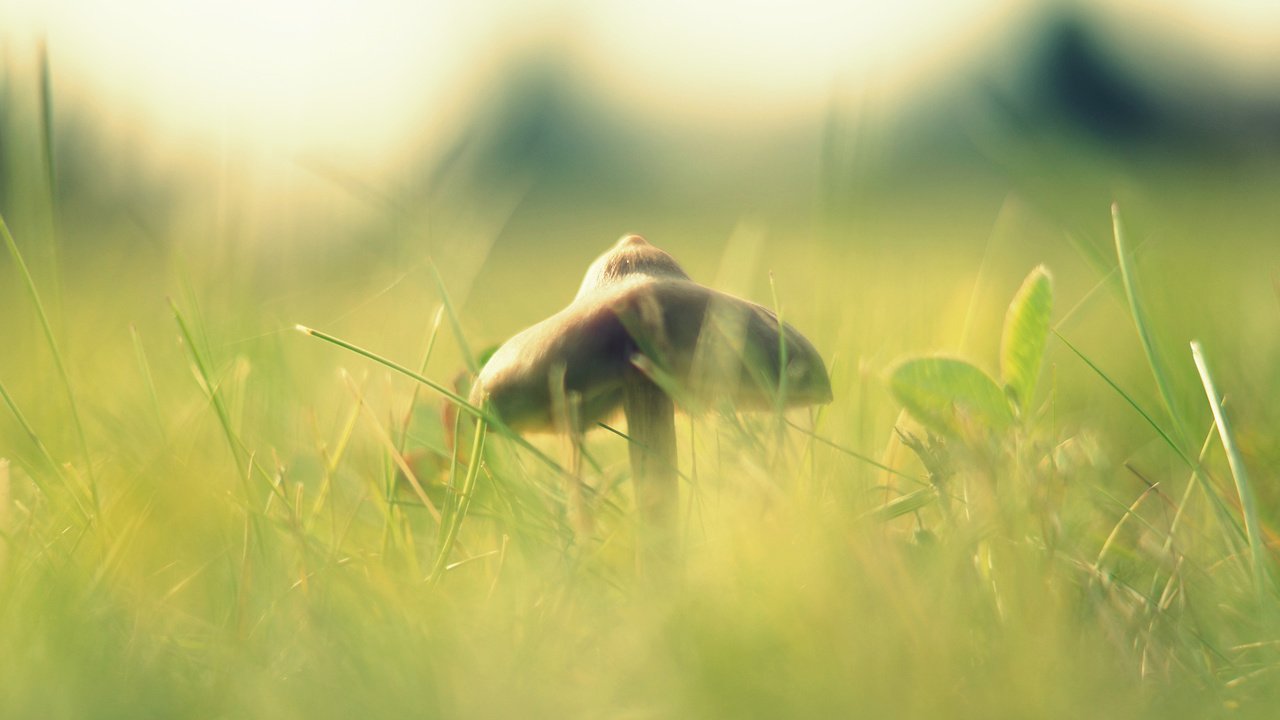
(651, 425)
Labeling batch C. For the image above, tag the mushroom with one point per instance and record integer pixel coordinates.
(638, 332)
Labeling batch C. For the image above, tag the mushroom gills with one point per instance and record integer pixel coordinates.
(716, 347)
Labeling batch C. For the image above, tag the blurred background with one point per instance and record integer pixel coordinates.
(489, 118)
(308, 161)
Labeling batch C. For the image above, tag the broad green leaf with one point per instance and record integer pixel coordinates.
(1026, 327)
(950, 395)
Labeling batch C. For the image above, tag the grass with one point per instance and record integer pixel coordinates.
(260, 547)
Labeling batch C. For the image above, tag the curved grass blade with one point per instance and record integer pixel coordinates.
(58, 362)
(49, 158)
(1248, 507)
(1223, 513)
(1159, 368)
(463, 504)
(853, 453)
(489, 419)
(464, 347)
(44, 455)
(904, 504)
(422, 369)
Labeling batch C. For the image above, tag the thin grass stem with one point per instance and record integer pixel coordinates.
(1239, 471)
(58, 361)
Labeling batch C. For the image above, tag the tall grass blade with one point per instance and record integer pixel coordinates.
(464, 502)
(144, 366)
(853, 453)
(489, 419)
(49, 158)
(45, 455)
(1248, 506)
(1223, 512)
(905, 504)
(6, 522)
(454, 323)
(59, 364)
(1130, 511)
(246, 462)
(219, 407)
(397, 458)
(1140, 318)
(422, 370)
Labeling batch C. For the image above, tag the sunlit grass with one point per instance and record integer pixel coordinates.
(260, 548)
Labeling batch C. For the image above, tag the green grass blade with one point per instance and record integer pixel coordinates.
(1141, 319)
(1130, 511)
(397, 458)
(59, 364)
(246, 462)
(490, 420)
(1224, 513)
(1085, 299)
(854, 454)
(450, 395)
(422, 370)
(49, 157)
(1129, 399)
(1248, 505)
(144, 367)
(45, 455)
(464, 502)
(463, 346)
(905, 504)
(219, 407)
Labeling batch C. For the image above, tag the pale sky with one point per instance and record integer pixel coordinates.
(358, 78)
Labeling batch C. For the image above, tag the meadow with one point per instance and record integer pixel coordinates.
(208, 514)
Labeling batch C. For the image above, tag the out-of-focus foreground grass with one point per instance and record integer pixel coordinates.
(201, 515)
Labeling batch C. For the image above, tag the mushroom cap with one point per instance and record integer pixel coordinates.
(636, 300)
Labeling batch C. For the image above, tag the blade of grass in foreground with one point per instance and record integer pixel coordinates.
(854, 454)
(488, 418)
(454, 322)
(397, 457)
(1158, 366)
(464, 502)
(44, 455)
(1257, 548)
(246, 462)
(1223, 512)
(48, 156)
(219, 408)
(144, 367)
(422, 369)
(58, 362)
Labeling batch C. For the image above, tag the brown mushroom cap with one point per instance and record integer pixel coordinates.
(636, 300)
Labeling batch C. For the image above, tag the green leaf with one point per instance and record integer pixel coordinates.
(1026, 327)
(950, 395)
